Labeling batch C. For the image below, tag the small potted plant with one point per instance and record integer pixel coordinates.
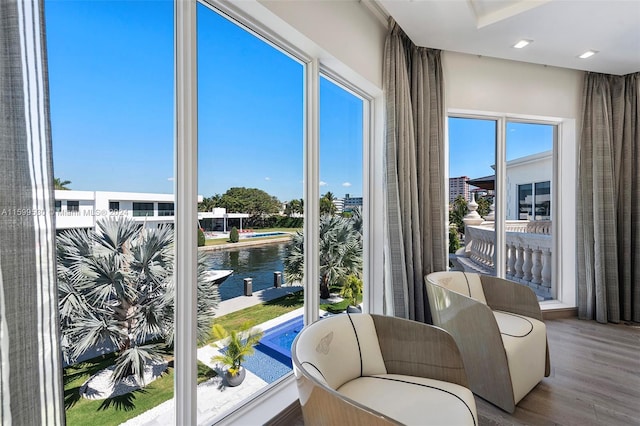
(235, 345)
(352, 291)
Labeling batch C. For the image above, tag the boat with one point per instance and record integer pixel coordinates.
(219, 275)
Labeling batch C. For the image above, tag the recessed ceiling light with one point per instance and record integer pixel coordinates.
(588, 54)
(522, 43)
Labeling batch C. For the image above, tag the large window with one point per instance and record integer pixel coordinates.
(511, 174)
(260, 161)
(250, 174)
(111, 84)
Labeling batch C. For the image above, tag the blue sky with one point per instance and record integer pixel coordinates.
(111, 84)
(472, 144)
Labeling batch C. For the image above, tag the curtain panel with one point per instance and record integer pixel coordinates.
(609, 199)
(413, 87)
(30, 367)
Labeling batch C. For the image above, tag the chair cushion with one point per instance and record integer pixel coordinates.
(525, 343)
(414, 400)
(466, 283)
(340, 350)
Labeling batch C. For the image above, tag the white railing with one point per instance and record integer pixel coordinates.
(528, 251)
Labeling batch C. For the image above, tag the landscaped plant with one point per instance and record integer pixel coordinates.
(236, 345)
(201, 239)
(340, 252)
(116, 286)
(233, 235)
(352, 290)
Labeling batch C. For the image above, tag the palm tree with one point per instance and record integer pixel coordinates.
(340, 253)
(116, 285)
(326, 203)
(61, 184)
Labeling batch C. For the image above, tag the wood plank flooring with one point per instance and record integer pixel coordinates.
(595, 380)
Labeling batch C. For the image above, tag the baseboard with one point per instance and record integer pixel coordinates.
(288, 416)
(560, 313)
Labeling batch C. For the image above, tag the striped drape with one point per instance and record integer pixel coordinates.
(30, 367)
(609, 199)
(413, 87)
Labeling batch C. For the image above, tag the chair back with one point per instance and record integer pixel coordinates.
(338, 349)
(465, 283)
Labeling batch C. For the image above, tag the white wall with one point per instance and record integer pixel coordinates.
(345, 29)
(498, 85)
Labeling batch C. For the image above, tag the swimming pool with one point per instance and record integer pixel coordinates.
(277, 341)
(263, 234)
(272, 357)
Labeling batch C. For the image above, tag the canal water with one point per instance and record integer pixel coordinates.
(257, 262)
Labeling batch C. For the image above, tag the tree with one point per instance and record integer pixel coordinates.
(209, 203)
(326, 204)
(294, 207)
(457, 211)
(116, 285)
(253, 201)
(484, 205)
(340, 253)
(61, 184)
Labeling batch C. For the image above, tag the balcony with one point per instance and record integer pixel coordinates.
(529, 248)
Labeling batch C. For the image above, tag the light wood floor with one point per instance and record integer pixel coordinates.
(595, 380)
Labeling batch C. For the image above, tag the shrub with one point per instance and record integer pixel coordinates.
(234, 237)
(454, 239)
(201, 239)
(352, 290)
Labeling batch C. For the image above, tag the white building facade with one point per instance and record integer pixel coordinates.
(82, 209)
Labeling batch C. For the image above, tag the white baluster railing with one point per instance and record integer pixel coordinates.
(528, 254)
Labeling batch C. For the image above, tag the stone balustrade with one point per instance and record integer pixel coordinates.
(528, 252)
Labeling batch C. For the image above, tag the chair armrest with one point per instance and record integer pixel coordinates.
(508, 296)
(474, 328)
(416, 349)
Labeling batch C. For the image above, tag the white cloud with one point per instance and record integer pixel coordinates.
(267, 178)
(171, 179)
(323, 183)
(346, 184)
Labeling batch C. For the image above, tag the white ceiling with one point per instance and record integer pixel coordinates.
(560, 29)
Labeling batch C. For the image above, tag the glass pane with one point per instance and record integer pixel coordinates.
(341, 238)
(529, 177)
(250, 131)
(472, 155)
(111, 87)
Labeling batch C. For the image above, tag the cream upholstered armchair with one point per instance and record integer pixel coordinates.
(368, 370)
(498, 327)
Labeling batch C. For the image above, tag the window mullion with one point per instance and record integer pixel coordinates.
(500, 197)
(311, 192)
(186, 182)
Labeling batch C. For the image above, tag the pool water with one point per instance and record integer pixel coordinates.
(272, 357)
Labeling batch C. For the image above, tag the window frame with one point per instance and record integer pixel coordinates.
(563, 195)
(256, 19)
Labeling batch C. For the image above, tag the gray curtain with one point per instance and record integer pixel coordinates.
(30, 368)
(609, 200)
(413, 86)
